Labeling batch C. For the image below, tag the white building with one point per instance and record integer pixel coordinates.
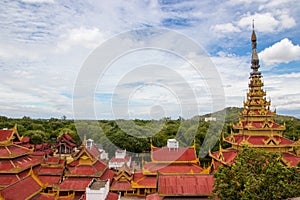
(119, 160)
(172, 144)
(99, 190)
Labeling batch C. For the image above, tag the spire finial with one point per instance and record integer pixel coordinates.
(253, 24)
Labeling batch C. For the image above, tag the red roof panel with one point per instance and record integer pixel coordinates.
(50, 180)
(292, 159)
(108, 174)
(51, 170)
(170, 154)
(7, 179)
(75, 183)
(121, 185)
(188, 185)
(20, 189)
(5, 134)
(112, 196)
(172, 168)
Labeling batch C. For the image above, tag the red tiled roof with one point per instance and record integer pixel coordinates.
(112, 196)
(229, 155)
(25, 139)
(259, 140)
(172, 168)
(50, 180)
(13, 151)
(169, 155)
(5, 134)
(94, 151)
(51, 170)
(108, 174)
(100, 165)
(75, 183)
(147, 181)
(21, 189)
(120, 185)
(83, 170)
(7, 179)
(21, 162)
(154, 196)
(292, 159)
(185, 185)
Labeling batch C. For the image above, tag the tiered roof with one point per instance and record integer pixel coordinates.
(26, 188)
(257, 127)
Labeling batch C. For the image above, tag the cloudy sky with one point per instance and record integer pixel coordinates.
(45, 45)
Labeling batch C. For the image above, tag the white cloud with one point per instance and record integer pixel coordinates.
(82, 37)
(38, 1)
(225, 28)
(268, 21)
(281, 52)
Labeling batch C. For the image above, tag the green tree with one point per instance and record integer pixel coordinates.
(257, 175)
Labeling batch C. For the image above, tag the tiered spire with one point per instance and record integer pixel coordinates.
(256, 113)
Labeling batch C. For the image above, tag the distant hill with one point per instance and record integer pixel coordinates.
(232, 115)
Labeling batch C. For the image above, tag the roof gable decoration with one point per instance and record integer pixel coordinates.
(9, 135)
(272, 141)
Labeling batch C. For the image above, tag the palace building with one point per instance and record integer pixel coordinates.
(257, 127)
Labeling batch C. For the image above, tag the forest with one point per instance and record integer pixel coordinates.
(134, 135)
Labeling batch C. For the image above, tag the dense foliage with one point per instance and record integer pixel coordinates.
(124, 133)
(257, 175)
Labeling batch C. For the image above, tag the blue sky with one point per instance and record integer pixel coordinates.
(44, 44)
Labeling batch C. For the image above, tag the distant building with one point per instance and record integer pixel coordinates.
(208, 119)
(119, 160)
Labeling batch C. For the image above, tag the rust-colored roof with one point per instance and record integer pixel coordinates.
(147, 181)
(120, 160)
(22, 189)
(51, 170)
(50, 180)
(108, 174)
(154, 196)
(75, 184)
(185, 185)
(165, 154)
(184, 168)
(22, 163)
(259, 140)
(227, 155)
(120, 185)
(13, 151)
(292, 160)
(5, 134)
(112, 196)
(7, 179)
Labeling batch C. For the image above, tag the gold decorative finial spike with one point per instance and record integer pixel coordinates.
(252, 24)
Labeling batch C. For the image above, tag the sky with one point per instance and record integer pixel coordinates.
(46, 46)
